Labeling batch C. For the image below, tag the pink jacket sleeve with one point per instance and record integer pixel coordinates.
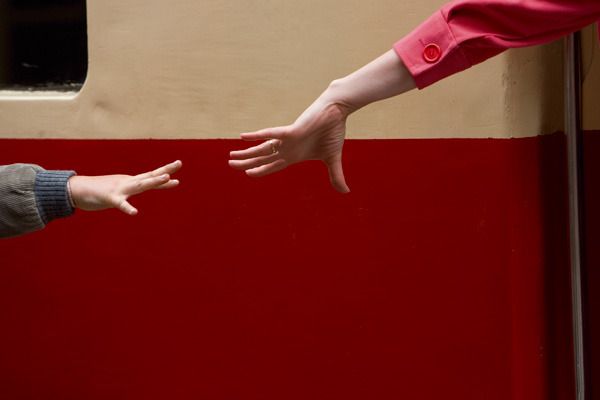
(466, 32)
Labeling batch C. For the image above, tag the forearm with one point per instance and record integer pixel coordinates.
(382, 78)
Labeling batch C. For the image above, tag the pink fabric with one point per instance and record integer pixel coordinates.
(468, 32)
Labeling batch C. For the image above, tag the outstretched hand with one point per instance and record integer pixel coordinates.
(320, 131)
(318, 134)
(93, 193)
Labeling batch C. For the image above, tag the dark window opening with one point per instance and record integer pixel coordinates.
(43, 44)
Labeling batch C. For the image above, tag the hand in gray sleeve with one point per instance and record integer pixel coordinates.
(30, 197)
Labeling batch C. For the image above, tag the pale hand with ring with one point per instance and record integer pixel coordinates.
(319, 133)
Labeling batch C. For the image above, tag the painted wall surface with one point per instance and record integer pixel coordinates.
(444, 275)
(212, 69)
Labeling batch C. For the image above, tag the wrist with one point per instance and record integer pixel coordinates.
(78, 191)
(339, 93)
(385, 77)
(70, 193)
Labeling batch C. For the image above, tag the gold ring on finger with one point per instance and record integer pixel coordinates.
(274, 147)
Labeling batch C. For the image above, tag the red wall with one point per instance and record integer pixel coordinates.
(592, 259)
(443, 275)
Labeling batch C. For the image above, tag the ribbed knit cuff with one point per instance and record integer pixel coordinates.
(52, 195)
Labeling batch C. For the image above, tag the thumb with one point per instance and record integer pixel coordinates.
(336, 175)
(127, 208)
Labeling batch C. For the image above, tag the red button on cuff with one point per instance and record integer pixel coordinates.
(432, 53)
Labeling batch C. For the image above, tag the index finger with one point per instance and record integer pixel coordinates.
(165, 169)
(139, 185)
(264, 134)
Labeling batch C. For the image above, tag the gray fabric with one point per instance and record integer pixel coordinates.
(20, 212)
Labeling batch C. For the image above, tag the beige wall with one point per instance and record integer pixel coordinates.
(214, 68)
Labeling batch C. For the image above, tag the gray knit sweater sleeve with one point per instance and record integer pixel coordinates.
(30, 197)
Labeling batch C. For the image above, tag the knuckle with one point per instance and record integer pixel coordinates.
(287, 132)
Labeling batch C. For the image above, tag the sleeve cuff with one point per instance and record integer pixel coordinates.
(52, 195)
(431, 52)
